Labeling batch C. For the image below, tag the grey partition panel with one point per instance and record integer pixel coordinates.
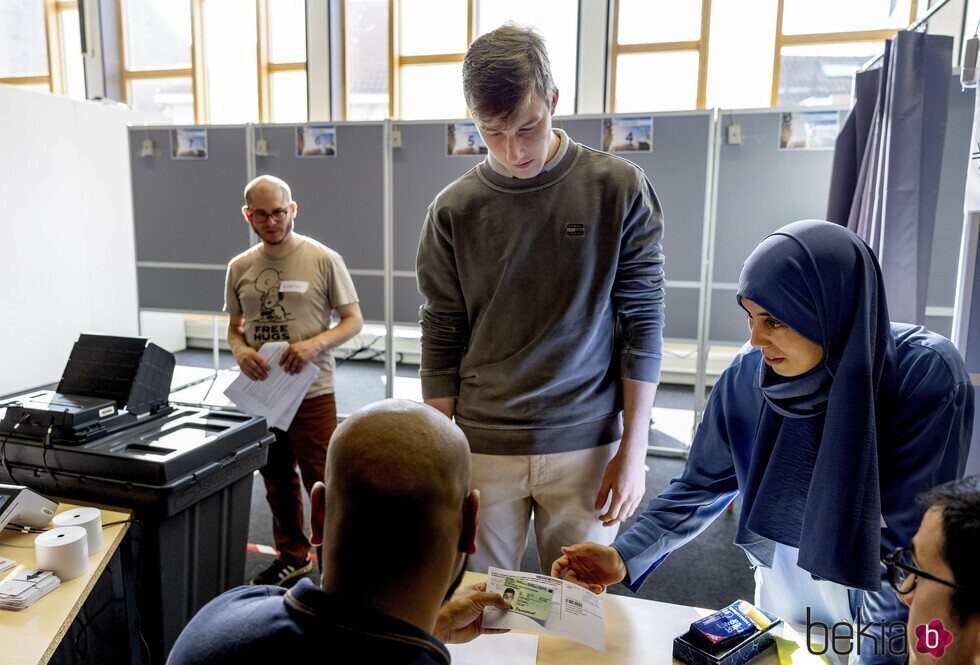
(340, 198)
(677, 167)
(942, 325)
(949, 211)
(407, 300)
(681, 311)
(181, 289)
(728, 320)
(189, 210)
(371, 296)
(420, 170)
(761, 188)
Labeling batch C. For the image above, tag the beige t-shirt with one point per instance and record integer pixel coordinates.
(290, 299)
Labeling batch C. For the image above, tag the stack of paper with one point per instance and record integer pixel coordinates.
(26, 587)
(277, 397)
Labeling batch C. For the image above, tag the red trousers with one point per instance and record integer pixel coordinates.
(303, 444)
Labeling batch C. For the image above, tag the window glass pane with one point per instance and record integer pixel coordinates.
(651, 21)
(36, 87)
(23, 43)
(557, 21)
(170, 97)
(288, 97)
(657, 81)
(230, 54)
(287, 30)
(158, 34)
(740, 54)
(432, 26)
(367, 59)
(71, 47)
(822, 75)
(808, 16)
(432, 91)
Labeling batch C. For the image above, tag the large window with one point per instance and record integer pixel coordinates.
(819, 46)
(410, 67)
(659, 55)
(216, 61)
(40, 46)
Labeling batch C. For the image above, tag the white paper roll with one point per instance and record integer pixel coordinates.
(89, 519)
(63, 551)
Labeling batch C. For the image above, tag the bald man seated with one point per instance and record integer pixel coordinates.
(397, 520)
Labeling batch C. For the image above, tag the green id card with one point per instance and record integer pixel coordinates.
(531, 600)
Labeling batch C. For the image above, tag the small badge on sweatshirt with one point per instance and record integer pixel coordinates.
(575, 230)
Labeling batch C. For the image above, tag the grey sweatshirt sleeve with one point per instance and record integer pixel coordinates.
(638, 292)
(445, 331)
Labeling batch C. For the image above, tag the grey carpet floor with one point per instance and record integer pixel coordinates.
(708, 572)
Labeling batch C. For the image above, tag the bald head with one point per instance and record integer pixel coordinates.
(269, 182)
(398, 472)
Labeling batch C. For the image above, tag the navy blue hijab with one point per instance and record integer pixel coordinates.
(812, 482)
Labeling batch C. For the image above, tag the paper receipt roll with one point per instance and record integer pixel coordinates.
(89, 519)
(63, 550)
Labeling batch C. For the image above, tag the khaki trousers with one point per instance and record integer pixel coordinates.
(558, 489)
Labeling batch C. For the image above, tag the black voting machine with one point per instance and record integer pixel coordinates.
(108, 435)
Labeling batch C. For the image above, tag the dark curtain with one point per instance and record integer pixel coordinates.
(885, 183)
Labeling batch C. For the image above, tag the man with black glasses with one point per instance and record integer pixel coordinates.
(284, 290)
(938, 577)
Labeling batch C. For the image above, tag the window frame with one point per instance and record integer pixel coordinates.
(699, 45)
(396, 61)
(197, 72)
(822, 38)
(55, 78)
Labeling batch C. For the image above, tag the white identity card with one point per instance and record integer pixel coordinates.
(278, 396)
(26, 587)
(575, 613)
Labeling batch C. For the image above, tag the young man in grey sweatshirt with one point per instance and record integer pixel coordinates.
(542, 325)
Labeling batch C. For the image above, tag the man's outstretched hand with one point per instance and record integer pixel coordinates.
(590, 565)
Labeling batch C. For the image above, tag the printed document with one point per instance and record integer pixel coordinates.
(573, 612)
(278, 396)
(510, 648)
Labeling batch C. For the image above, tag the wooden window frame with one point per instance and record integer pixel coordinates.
(197, 72)
(55, 78)
(396, 60)
(267, 68)
(818, 38)
(699, 45)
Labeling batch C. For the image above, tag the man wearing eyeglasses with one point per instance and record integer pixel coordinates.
(938, 577)
(285, 290)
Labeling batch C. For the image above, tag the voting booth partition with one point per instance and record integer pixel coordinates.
(719, 198)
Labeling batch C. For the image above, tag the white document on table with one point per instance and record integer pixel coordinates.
(278, 396)
(510, 648)
(576, 613)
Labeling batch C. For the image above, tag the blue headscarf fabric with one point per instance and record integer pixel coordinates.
(812, 481)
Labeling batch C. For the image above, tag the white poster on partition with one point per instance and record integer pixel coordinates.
(190, 143)
(463, 138)
(316, 141)
(628, 134)
(808, 130)
(972, 202)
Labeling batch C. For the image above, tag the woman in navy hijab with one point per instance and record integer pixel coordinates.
(829, 423)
